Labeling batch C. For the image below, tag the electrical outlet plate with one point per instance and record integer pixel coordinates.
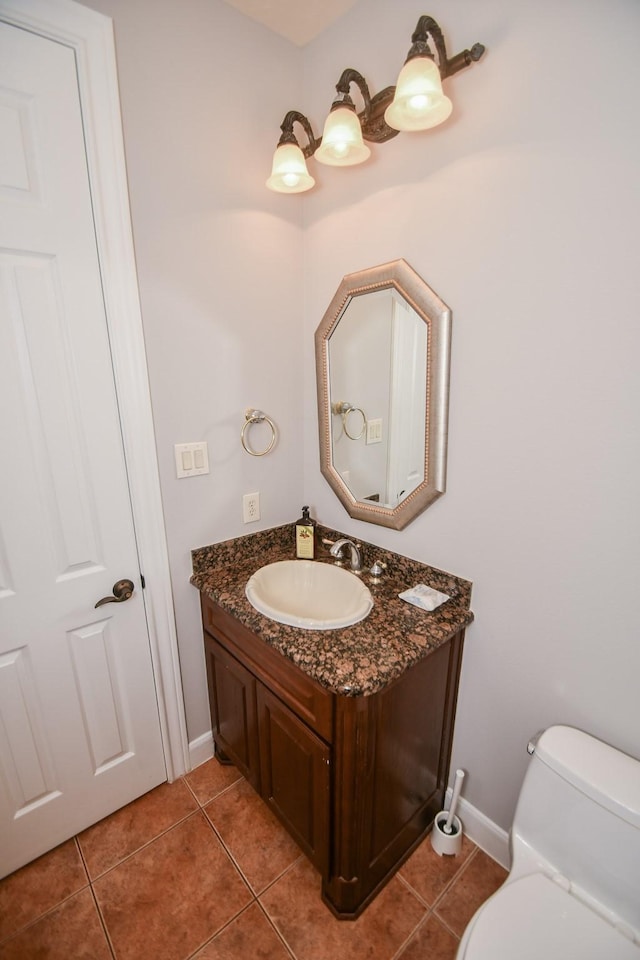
(250, 507)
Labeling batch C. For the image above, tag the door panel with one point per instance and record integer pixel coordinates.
(295, 775)
(232, 695)
(26, 758)
(79, 730)
(100, 691)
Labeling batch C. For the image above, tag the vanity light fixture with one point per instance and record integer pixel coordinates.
(289, 172)
(417, 102)
(342, 138)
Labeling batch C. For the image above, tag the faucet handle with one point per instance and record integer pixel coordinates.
(377, 570)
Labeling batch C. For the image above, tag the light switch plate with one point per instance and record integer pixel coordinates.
(192, 459)
(374, 431)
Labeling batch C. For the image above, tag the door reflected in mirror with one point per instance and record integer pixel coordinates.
(382, 361)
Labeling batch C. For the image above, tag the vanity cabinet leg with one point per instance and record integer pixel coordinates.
(222, 758)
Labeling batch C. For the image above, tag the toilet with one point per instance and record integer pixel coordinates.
(573, 892)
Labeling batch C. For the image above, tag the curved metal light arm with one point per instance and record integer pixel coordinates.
(288, 136)
(371, 119)
(427, 27)
(347, 77)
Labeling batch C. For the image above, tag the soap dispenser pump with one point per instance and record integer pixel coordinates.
(305, 536)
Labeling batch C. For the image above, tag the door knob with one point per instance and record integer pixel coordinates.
(122, 590)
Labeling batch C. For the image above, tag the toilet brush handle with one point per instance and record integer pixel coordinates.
(457, 786)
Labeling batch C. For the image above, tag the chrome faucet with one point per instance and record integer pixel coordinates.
(356, 555)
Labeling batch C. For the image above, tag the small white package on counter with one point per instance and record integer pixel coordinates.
(424, 597)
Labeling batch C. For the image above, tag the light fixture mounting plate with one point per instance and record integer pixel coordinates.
(374, 127)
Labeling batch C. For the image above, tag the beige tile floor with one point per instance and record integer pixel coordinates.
(200, 870)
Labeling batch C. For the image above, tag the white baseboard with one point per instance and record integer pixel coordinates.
(200, 749)
(484, 832)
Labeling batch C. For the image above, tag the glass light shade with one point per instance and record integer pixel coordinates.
(342, 144)
(419, 102)
(289, 172)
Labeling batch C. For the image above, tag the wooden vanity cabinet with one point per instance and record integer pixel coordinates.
(356, 781)
(272, 722)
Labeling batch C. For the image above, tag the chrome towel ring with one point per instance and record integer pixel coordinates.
(344, 409)
(256, 416)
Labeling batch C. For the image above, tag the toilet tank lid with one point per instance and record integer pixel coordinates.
(607, 775)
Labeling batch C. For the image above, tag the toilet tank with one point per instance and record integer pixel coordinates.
(578, 815)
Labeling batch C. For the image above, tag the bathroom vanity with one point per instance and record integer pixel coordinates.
(345, 734)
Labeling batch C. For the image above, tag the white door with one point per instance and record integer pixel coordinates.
(79, 727)
(406, 463)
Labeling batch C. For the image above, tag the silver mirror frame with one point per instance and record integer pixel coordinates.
(436, 314)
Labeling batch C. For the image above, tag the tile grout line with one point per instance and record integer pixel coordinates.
(418, 896)
(255, 896)
(227, 850)
(273, 926)
(447, 887)
(103, 923)
(447, 890)
(463, 869)
(224, 926)
(431, 908)
(446, 926)
(398, 954)
(43, 915)
(94, 897)
(280, 876)
(144, 846)
(198, 811)
(82, 856)
(203, 804)
(236, 864)
(46, 913)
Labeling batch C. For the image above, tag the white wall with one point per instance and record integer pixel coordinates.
(522, 213)
(203, 92)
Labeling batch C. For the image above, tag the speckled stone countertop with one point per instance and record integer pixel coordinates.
(356, 660)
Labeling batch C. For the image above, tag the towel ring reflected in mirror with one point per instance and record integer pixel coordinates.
(343, 409)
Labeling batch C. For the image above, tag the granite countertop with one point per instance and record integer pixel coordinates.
(356, 660)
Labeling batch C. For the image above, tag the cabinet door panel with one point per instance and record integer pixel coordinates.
(232, 694)
(408, 721)
(295, 775)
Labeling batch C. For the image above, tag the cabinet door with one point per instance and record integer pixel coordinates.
(232, 697)
(295, 773)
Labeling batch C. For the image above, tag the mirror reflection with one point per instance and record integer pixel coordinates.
(377, 372)
(382, 357)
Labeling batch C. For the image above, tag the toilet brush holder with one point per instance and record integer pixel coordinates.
(448, 844)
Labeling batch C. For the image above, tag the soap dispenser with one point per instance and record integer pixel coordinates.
(305, 536)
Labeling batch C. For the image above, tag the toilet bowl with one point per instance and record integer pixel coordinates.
(573, 892)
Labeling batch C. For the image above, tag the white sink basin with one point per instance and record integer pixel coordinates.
(309, 594)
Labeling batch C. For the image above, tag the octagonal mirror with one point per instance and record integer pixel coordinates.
(382, 367)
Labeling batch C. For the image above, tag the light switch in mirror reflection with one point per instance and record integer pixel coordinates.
(382, 365)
